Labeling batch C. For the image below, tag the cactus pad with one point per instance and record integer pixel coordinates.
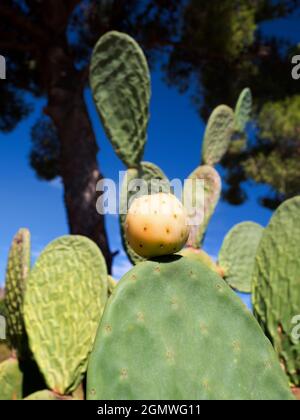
(120, 81)
(203, 202)
(243, 110)
(202, 256)
(237, 255)
(154, 178)
(219, 130)
(46, 395)
(112, 283)
(65, 297)
(16, 274)
(177, 331)
(276, 285)
(10, 380)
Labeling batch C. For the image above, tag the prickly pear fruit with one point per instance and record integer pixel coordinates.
(154, 180)
(203, 257)
(10, 380)
(237, 255)
(156, 225)
(177, 331)
(16, 274)
(65, 296)
(276, 285)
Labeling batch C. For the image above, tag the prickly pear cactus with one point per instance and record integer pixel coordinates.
(155, 181)
(46, 395)
(219, 130)
(112, 283)
(276, 285)
(71, 275)
(120, 81)
(177, 331)
(237, 255)
(10, 380)
(243, 110)
(200, 202)
(203, 257)
(16, 274)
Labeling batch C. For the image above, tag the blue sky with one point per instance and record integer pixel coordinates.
(174, 143)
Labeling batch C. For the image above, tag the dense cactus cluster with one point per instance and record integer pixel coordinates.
(172, 328)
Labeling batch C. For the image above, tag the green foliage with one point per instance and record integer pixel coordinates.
(276, 284)
(243, 110)
(177, 331)
(17, 271)
(237, 255)
(156, 181)
(10, 380)
(65, 296)
(120, 81)
(218, 133)
(203, 199)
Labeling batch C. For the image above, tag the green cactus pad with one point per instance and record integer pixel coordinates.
(219, 130)
(65, 296)
(120, 81)
(202, 256)
(178, 332)
(243, 110)
(237, 255)
(155, 179)
(46, 395)
(10, 380)
(203, 205)
(18, 268)
(276, 285)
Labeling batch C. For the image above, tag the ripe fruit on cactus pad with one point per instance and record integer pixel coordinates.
(177, 331)
(156, 225)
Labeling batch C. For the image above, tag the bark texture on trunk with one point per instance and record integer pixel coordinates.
(78, 163)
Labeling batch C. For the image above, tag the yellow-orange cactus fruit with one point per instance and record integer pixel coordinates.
(156, 225)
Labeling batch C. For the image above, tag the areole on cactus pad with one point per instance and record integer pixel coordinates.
(185, 336)
(65, 296)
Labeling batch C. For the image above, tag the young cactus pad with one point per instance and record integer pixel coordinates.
(178, 332)
(156, 225)
(65, 297)
(18, 267)
(120, 81)
(154, 181)
(10, 380)
(243, 110)
(200, 200)
(237, 255)
(276, 285)
(219, 130)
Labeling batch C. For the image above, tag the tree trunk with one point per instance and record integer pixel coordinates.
(78, 162)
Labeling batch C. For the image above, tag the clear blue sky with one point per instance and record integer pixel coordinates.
(174, 143)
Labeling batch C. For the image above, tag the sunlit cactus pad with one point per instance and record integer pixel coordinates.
(243, 110)
(10, 380)
(173, 329)
(154, 177)
(200, 196)
(237, 255)
(65, 297)
(276, 285)
(219, 130)
(120, 82)
(18, 267)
